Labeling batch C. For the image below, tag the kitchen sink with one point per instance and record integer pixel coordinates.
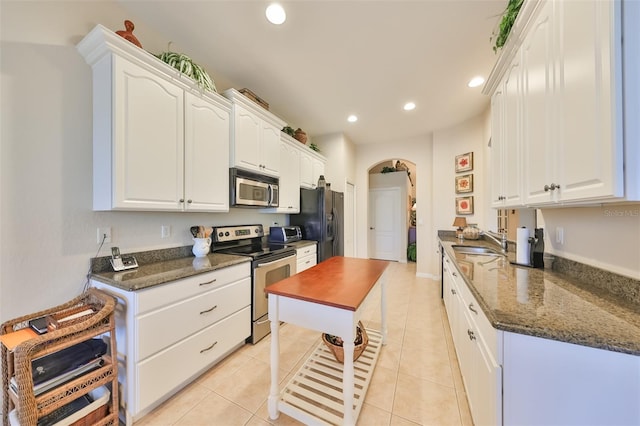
(481, 250)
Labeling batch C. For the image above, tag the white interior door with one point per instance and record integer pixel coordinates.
(349, 220)
(384, 223)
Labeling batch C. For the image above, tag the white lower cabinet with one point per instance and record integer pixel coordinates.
(516, 379)
(169, 333)
(306, 257)
(478, 347)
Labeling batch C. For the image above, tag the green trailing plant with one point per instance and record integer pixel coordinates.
(506, 23)
(288, 130)
(186, 66)
(314, 147)
(387, 169)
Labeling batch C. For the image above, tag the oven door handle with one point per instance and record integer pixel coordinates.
(276, 261)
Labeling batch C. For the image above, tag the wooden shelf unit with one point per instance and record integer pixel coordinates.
(17, 363)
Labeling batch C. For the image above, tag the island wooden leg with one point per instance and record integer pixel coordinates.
(348, 382)
(274, 392)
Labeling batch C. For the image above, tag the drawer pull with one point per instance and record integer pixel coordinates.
(209, 348)
(472, 335)
(209, 282)
(471, 308)
(208, 310)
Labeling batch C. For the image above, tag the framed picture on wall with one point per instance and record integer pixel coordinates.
(464, 184)
(464, 205)
(464, 162)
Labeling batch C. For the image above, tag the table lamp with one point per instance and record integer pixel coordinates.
(461, 223)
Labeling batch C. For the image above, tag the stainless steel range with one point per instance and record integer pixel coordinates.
(270, 263)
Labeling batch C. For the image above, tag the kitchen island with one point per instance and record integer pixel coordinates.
(329, 298)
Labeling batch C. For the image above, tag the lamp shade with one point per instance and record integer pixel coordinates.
(460, 222)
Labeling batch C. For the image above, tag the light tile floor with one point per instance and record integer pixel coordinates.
(416, 381)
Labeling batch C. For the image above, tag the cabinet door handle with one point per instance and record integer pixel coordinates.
(454, 274)
(472, 335)
(209, 348)
(554, 186)
(453, 291)
(189, 201)
(209, 282)
(472, 309)
(182, 200)
(208, 310)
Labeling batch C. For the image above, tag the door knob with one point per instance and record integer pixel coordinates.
(371, 227)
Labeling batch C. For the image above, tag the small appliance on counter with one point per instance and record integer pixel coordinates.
(284, 234)
(537, 248)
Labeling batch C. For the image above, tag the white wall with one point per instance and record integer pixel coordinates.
(606, 237)
(341, 159)
(420, 152)
(47, 226)
(469, 136)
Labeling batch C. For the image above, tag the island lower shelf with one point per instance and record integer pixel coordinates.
(314, 394)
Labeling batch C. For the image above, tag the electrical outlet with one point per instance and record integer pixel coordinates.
(560, 235)
(104, 233)
(165, 231)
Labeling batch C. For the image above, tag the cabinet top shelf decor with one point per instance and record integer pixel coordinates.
(102, 41)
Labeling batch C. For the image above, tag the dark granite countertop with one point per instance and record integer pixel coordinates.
(548, 304)
(163, 271)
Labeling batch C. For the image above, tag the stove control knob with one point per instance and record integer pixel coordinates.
(220, 234)
(226, 234)
(257, 231)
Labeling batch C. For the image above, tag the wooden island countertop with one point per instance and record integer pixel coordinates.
(341, 282)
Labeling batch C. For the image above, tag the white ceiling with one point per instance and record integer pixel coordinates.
(335, 58)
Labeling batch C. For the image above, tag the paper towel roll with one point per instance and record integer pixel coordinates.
(522, 246)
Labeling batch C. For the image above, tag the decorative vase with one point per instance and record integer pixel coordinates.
(201, 246)
(300, 135)
(471, 232)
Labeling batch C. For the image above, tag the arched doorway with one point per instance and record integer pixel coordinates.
(391, 199)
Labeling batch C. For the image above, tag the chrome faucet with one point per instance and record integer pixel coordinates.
(502, 241)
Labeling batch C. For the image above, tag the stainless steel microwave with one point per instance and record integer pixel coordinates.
(250, 189)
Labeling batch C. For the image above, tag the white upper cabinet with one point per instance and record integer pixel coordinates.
(255, 136)
(576, 147)
(147, 145)
(312, 165)
(506, 141)
(155, 133)
(589, 69)
(289, 188)
(539, 115)
(207, 127)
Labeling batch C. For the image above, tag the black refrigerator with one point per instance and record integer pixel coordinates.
(321, 219)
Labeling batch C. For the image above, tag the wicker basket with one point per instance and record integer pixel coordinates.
(359, 348)
(255, 98)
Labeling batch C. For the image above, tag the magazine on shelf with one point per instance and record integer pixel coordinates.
(62, 378)
(71, 413)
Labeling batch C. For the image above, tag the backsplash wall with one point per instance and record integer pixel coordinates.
(606, 236)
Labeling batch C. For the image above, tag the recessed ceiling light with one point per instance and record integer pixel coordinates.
(276, 14)
(475, 81)
(409, 106)
(352, 118)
